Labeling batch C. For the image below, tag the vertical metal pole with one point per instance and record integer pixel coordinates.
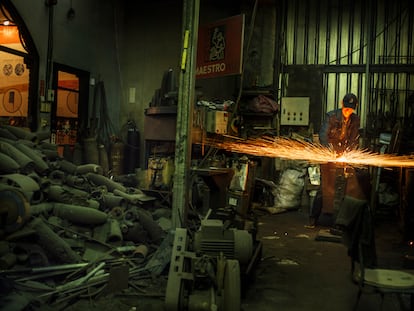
(339, 34)
(318, 34)
(296, 9)
(375, 172)
(328, 35)
(370, 42)
(278, 73)
(361, 75)
(338, 79)
(186, 98)
(307, 30)
(49, 56)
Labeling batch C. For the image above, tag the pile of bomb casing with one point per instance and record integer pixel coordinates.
(68, 231)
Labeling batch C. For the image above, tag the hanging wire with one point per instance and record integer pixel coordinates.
(49, 53)
(249, 39)
(102, 127)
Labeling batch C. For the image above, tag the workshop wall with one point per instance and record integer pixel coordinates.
(127, 45)
(88, 41)
(350, 46)
(130, 44)
(150, 39)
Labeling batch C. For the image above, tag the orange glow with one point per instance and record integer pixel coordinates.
(313, 152)
(9, 34)
(342, 158)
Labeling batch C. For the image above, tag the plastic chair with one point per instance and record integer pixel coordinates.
(355, 219)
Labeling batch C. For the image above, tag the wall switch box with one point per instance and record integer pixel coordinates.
(45, 107)
(216, 121)
(294, 111)
(50, 95)
(131, 95)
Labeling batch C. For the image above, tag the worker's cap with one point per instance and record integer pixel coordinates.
(350, 101)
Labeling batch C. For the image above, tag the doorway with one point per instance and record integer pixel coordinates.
(70, 106)
(19, 67)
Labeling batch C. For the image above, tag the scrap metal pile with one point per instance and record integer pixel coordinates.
(68, 231)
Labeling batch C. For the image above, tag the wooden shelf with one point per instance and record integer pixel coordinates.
(161, 110)
(256, 92)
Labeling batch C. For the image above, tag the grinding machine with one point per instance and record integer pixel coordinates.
(210, 268)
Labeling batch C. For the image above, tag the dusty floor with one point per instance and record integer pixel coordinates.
(296, 273)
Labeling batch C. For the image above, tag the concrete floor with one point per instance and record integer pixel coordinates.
(299, 273)
(296, 272)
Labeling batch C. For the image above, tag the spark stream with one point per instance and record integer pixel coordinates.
(312, 152)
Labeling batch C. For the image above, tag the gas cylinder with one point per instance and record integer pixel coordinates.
(132, 150)
(103, 159)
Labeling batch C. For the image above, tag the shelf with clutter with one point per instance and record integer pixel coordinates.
(257, 113)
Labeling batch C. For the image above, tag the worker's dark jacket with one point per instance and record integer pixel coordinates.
(331, 130)
(354, 218)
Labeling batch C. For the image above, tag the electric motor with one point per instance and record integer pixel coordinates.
(212, 239)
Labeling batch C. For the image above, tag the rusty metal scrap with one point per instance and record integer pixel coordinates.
(56, 247)
(77, 226)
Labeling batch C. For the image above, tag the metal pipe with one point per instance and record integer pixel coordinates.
(8, 164)
(114, 234)
(53, 244)
(351, 22)
(369, 49)
(339, 33)
(40, 165)
(101, 180)
(327, 34)
(295, 36)
(317, 34)
(307, 29)
(26, 164)
(79, 214)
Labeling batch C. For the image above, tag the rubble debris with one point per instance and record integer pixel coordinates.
(69, 231)
(52, 243)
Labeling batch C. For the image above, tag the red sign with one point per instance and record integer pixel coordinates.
(220, 48)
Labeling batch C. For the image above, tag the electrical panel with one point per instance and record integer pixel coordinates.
(294, 111)
(216, 121)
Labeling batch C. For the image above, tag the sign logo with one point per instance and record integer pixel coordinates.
(220, 48)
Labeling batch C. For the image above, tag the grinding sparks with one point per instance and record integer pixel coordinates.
(314, 153)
